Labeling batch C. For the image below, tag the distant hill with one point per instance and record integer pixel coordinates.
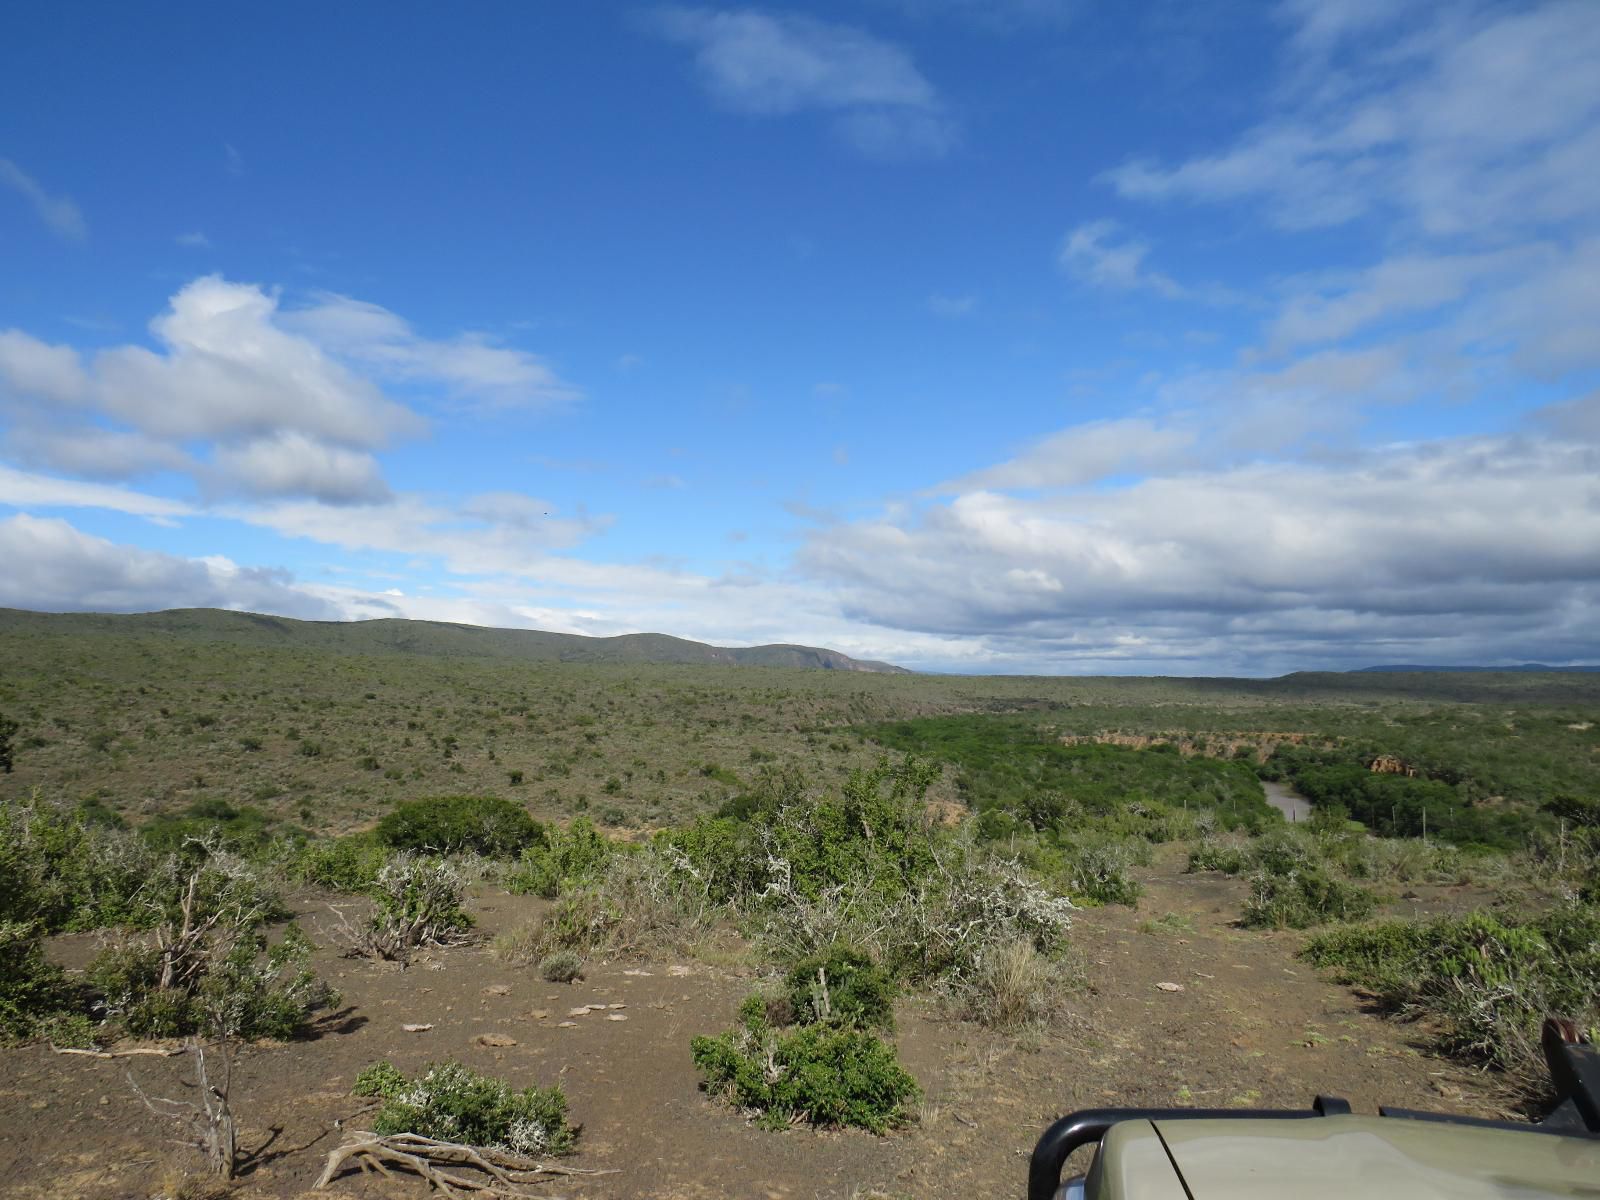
(434, 639)
(1409, 668)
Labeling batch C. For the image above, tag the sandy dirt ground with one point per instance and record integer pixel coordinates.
(1251, 1025)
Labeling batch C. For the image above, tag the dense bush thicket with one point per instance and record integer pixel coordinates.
(456, 1104)
(32, 989)
(1083, 815)
(484, 825)
(1013, 767)
(1491, 979)
(1441, 800)
(61, 872)
(243, 829)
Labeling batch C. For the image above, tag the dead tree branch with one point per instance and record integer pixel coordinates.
(424, 1157)
(209, 1124)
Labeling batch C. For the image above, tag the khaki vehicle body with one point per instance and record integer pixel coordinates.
(1335, 1158)
(1326, 1152)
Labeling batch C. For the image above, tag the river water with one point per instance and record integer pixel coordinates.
(1286, 800)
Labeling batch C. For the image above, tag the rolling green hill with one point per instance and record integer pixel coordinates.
(434, 639)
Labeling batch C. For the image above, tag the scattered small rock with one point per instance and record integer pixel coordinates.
(680, 971)
(636, 971)
(497, 989)
(616, 1006)
(1170, 987)
(616, 1017)
(567, 1025)
(537, 1014)
(416, 1028)
(494, 1040)
(581, 1011)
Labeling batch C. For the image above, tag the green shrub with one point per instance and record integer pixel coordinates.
(842, 987)
(641, 904)
(347, 864)
(561, 860)
(561, 967)
(8, 731)
(1303, 898)
(248, 989)
(31, 987)
(484, 825)
(1211, 855)
(242, 829)
(455, 1104)
(262, 991)
(874, 832)
(382, 1079)
(1096, 871)
(826, 1075)
(1491, 980)
(65, 870)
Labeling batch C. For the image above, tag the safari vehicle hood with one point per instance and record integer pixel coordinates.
(1338, 1157)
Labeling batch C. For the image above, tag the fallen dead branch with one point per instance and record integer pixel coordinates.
(116, 1053)
(424, 1156)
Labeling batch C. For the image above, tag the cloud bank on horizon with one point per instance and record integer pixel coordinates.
(850, 332)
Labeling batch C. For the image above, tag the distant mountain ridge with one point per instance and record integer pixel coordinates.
(1403, 667)
(438, 639)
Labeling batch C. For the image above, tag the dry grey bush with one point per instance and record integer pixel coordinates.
(418, 903)
(970, 903)
(1016, 987)
(643, 904)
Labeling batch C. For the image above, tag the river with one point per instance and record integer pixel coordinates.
(1286, 800)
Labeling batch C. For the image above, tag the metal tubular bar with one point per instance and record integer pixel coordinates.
(1080, 1129)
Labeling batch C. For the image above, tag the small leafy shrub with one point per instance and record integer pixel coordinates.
(484, 825)
(561, 967)
(562, 860)
(455, 1104)
(842, 987)
(826, 1075)
(215, 822)
(262, 991)
(1303, 898)
(1211, 855)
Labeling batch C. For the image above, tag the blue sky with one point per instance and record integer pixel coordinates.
(1028, 335)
